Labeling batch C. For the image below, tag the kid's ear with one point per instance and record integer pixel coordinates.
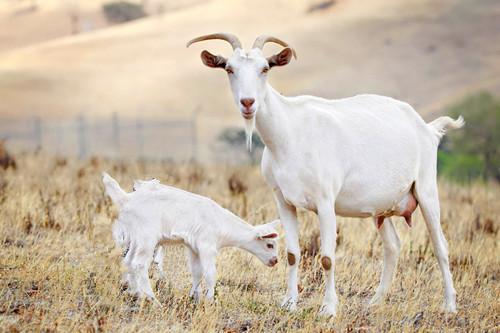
(275, 224)
(268, 236)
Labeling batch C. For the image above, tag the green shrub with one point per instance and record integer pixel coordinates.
(236, 138)
(122, 11)
(460, 167)
(474, 150)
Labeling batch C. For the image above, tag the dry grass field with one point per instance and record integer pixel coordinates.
(60, 271)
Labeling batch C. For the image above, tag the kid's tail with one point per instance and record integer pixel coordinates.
(113, 189)
(442, 124)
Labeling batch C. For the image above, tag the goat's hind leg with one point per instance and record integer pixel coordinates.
(159, 255)
(427, 195)
(129, 281)
(392, 245)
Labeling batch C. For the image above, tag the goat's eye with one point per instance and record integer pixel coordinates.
(265, 70)
(229, 70)
(270, 246)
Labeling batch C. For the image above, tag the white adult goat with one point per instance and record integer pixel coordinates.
(361, 156)
(155, 215)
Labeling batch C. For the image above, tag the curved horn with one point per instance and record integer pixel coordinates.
(230, 38)
(263, 39)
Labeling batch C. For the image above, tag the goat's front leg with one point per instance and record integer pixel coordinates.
(288, 217)
(207, 260)
(139, 268)
(196, 274)
(328, 232)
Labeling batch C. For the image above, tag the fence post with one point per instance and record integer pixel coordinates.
(81, 129)
(194, 135)
(140, 137)
(37, 132)
(58, 130)
(115, 125)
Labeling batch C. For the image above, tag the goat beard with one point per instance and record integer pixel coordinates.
(249, 127)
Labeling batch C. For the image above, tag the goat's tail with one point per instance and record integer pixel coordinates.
(113, 189)
(440, 125)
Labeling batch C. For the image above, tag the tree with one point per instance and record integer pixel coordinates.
(236, 138)
(122, 11)
(481, 135)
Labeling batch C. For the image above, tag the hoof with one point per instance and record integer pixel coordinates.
(209, 298)
(377, 299)
(289, 303)
(195, 296)
(124, 287)
(132, 297)
(449, 307)
(150, 298)
(450, 303)
(210, 301)
(156, 302)
(327, 310)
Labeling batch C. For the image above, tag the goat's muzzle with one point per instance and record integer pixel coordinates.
(272, 262)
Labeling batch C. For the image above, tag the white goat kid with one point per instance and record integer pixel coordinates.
(362, 156)
(154, 215)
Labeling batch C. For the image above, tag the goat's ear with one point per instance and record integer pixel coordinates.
(213, 61)
(267, 236)
(282, 58)
(275, 223)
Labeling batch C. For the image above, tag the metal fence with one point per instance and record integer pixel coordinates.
(113, 137)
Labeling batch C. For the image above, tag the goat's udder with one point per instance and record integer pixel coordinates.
(406, 212)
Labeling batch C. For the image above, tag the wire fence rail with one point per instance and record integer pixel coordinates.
(112, 137)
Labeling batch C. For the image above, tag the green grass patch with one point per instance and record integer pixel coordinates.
(460, 167)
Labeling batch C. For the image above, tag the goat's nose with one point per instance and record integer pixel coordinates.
(247, 102)
(273, 261)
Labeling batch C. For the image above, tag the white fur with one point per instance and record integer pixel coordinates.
(354, 157)
(155, 215)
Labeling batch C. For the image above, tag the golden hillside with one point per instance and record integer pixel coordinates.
(27, 22)
(424, 52)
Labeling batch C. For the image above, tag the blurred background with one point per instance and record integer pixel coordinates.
(83, 78)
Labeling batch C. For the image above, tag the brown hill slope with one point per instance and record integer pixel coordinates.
(26, 22)
(419, 51)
